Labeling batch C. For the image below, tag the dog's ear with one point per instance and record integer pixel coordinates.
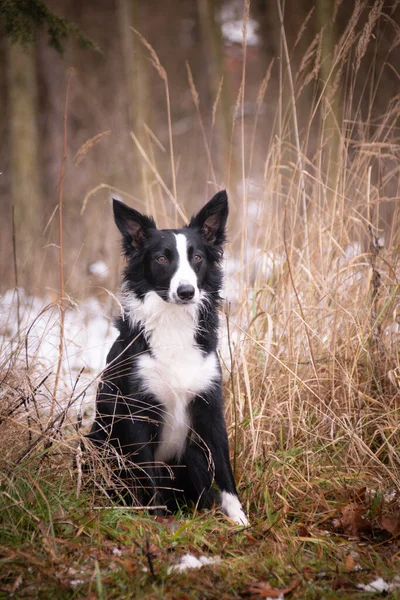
(211, 220)
(132, 224)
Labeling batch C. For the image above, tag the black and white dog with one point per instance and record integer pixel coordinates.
(159, 405)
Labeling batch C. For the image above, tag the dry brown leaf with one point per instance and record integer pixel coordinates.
(165, 520)
(308, 573)
(262, 589)
(48, 541)
(350, 563)
(153, 550)
(391, 524)
(130, 567)
(250, 537)
(353, 520)
(302, 531)
(341, 583)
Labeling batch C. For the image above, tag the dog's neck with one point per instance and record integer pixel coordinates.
(154, 315)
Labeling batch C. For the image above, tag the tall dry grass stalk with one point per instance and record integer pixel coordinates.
(163, 75)
(61, 245)
(310, 352)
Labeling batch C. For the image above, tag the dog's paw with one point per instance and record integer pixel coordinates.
(240, 518)
(231, 506)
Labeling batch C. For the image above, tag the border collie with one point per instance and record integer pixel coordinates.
(159, 404)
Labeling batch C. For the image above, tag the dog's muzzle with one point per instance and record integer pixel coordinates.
(185, 292)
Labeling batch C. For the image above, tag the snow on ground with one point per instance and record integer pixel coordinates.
(189, 561)
(380, 586)
(30, 326)
(99, 269)
(88, 335)
(231, 19)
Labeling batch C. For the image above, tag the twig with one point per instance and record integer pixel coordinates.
(297, 297)
(61, 249)
(296, 129)
(196, 101)
(375, 248)
(20, 503)
(22, 400)
(161, 507)
(158, 177)
(14, 244)
(148, 556)
(163, 74)
(78, 462)
(235, 440)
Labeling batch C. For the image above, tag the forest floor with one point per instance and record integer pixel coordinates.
(54, 544)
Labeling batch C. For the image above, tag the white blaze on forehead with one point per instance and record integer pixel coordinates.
(184, 273)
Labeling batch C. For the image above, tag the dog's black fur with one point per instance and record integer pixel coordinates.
(129, 418)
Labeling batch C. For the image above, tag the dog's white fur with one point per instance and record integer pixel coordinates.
(176, 370)
(231, 506)
(184, 273)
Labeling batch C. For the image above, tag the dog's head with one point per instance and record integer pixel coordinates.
(178, 264)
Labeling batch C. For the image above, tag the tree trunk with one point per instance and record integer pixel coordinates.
(25, 180)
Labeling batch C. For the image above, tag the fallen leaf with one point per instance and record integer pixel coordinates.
(170, 522)
(262, 589)
(302, 531)
(308, 573)
(341, 583)
(48, 540)
(164, 520)
(153, 550)
(250, 537)
(353, 520)
(390, 524)
(130, 567)
(350, 563)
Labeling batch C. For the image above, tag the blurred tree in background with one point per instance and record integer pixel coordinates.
(116, 90)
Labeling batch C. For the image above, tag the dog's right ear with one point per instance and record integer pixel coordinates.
(132, 224)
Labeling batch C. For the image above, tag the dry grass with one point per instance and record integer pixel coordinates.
(312, 376)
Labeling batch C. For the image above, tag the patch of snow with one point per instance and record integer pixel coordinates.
(257, 264)
(352, 251)
(76, 583)
(189, 561)
(378, 585)
(99, 269)
(88, 336)
(231, 19)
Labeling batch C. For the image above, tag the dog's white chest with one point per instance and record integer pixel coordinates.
(175, 372)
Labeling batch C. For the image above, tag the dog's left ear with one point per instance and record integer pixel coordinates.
(211, 220)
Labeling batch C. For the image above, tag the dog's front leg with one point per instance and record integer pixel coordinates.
(209, 425)
(139, 472)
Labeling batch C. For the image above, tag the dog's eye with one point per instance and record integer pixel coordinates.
(161, 259)
(197, 258)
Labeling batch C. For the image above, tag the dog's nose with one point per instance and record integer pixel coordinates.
(185, 291)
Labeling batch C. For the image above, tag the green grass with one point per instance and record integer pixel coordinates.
(55, 545)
